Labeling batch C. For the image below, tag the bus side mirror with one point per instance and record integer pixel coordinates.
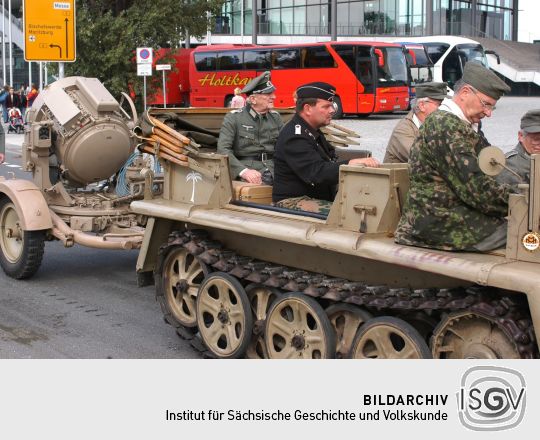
(380, 57)
(495, 54)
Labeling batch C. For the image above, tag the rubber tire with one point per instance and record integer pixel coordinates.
(168, 314)
(339, 112)
(248, 316)
(391, 321)
(31, 256)
(328, 328)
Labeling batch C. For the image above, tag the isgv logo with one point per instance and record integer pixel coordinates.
(491, 398)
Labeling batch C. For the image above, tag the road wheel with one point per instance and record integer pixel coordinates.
(297, 328)
(261, 299)
(178, 282)
(466, 335)
(339, 108)
(387, 337)
(21, 251)
(346, 319)
(224, 316)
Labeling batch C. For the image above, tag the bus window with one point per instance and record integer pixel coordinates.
(361, 63)
(317, 56)
(436, 50)
(394, 70)
(231, 60)
(347, 54)
(205, 61)
(257, 59)
(472, 52)
(286, 58)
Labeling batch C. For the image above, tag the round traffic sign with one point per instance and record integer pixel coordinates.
(144, 54)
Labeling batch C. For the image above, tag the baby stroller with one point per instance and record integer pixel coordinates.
(16, 123)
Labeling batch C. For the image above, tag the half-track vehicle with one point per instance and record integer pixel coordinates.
(246, 278)
(77, 139)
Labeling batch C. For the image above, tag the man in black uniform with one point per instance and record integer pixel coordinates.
(306, 169)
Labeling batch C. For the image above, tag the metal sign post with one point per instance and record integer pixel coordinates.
(145, 57)
(164, 68)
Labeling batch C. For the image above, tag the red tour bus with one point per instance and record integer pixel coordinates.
(370, 77)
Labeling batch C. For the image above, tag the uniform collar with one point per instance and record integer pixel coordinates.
(522, 151)
(254, 114)
(416, 121)
(315, 133)
(448, 105)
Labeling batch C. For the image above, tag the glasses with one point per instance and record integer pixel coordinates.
(487, 106)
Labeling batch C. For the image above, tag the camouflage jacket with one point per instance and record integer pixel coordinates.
(245, 134)
(517, 160)
(451, 204)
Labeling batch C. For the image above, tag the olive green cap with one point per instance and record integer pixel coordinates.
(484, 80)
(432, 90)
(530, 122)
(260, 84)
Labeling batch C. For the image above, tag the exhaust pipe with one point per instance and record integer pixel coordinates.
(69, 237)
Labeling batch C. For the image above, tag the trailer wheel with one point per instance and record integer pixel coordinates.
(21, 251)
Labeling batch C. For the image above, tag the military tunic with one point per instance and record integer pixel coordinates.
(519, 161)
(245, 135)
(305, 163)
(451, 204)
(403, 136)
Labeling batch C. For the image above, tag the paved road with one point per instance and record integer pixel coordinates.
(84, 303)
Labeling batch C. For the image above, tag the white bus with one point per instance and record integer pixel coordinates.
(449, 54)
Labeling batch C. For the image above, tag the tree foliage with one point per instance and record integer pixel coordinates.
(109, 31)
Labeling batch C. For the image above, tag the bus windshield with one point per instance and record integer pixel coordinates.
(472, 52)
(393, 70)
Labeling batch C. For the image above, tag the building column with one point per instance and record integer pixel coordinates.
(474, 8)
(254, 21)
(429, 17)
(333, 22)
(515, 14)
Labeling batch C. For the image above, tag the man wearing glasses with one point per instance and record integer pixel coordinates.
(452, 204)
(429, 97)
(519, 159)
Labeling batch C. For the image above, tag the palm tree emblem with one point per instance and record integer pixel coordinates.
(194, 177)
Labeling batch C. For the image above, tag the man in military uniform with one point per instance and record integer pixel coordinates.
(519, 159)
(451, 203)
(428, 99)
(306, 165)
(248, 135)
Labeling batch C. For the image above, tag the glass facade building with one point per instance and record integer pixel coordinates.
(481, 18)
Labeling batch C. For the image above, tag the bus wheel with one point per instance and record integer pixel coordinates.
(339, 108)
(228, 100)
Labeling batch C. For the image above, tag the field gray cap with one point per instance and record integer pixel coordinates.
(432, 90)
(261, 84)
(530, 122)
(484, 80)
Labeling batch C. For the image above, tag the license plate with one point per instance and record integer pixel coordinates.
(397, 106)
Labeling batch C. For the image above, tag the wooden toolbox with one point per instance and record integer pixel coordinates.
(253, 193)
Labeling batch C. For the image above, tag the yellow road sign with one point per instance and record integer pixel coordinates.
(49, 30)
